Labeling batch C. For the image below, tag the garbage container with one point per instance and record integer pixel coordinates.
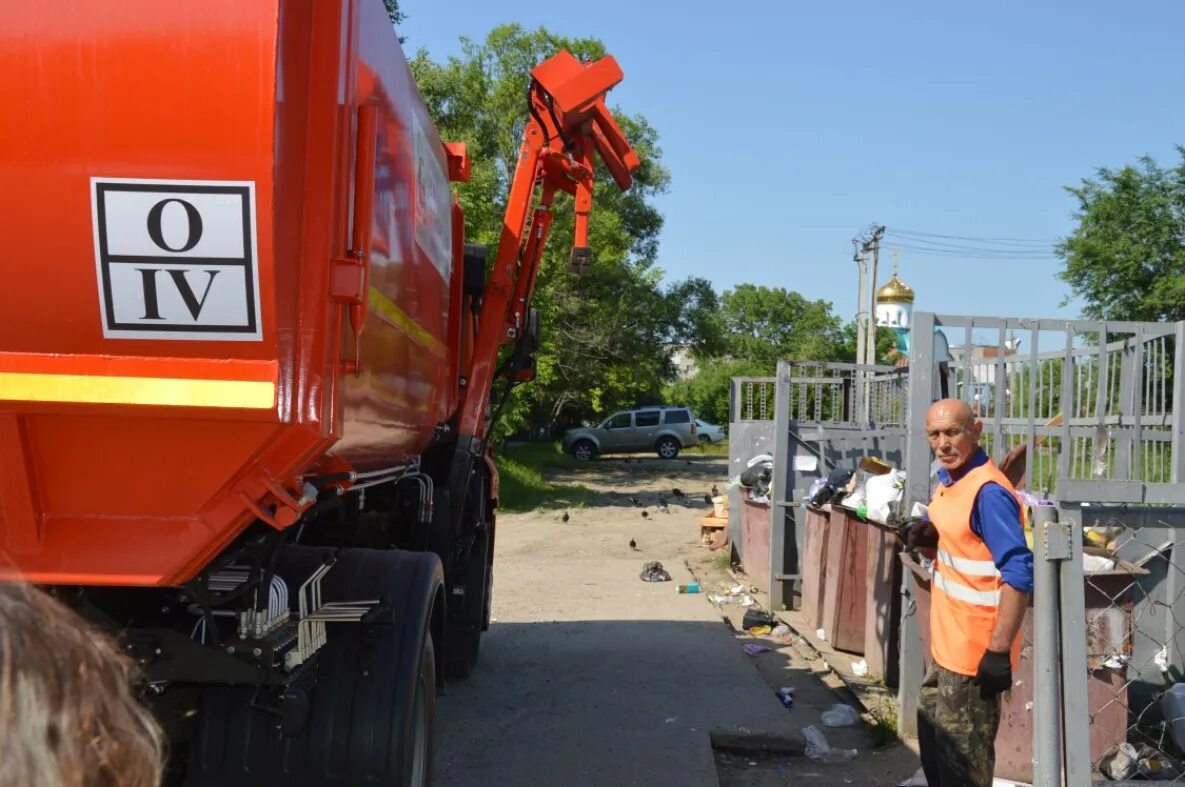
(755, 541)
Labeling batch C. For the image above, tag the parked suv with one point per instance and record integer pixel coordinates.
(665, 430)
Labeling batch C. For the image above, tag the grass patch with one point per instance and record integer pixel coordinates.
(708, 449)
(884, 723)
(523, 485)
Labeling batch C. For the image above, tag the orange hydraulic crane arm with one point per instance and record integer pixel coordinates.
(569, 123)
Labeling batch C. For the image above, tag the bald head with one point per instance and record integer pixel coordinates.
(953, 432)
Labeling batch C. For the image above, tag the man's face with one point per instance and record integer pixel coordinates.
(952, 439)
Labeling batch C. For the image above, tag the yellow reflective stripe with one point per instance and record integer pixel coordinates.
(404, 322)
(167, 391)
(967, 566)
(959, 592)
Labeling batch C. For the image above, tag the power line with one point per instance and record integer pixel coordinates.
(956, 249)
(983, 240)
(971, 254)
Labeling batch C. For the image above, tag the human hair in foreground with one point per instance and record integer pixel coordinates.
(68, 713)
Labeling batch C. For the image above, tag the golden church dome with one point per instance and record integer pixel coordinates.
(896, 291)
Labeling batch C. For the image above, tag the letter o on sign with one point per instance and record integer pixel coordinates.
(193, 220)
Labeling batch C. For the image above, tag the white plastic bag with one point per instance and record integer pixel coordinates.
(840, 715)
(881, 492)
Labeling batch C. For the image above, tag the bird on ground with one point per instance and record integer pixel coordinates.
(645, 514)
(708, 499)
(715, 491)
(565, 517)
(633, 545)
(677, 492)
(634, 500)
(662, 501)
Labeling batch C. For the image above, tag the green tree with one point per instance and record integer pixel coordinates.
(707, 392)
(605, 332)
(1126, 258)
(769, 324)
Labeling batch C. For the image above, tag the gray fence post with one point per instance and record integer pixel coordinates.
(780, 495)
(921, 383)
(1047, 717)
(910, 668)
(1076, 710)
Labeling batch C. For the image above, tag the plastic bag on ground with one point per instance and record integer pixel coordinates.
(817, 747)
(840, 715)
(860, 668)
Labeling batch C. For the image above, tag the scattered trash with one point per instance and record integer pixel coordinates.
(759, 631)
(817, 747)
(860, 668)
(690, 587)
(780, 630)
(747, 601)
(1121, 764)
(917, 780)
(718, 599)
(1097, 563)
(786, 696)
(753, 649)
(654, 572)
(840, 715)
(1116, 661)
(757, 617)
(821, 634)
(1161, 659)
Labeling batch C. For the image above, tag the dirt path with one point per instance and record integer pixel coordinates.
(590, 676)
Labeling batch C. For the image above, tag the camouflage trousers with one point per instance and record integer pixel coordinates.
(956, 730)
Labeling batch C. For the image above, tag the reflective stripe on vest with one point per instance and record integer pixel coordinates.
(972, 568)
(967, 587)
(983, 598)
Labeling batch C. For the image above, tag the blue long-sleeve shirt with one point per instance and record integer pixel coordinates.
(996, 519)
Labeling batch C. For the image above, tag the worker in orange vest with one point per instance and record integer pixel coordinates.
(983, 577)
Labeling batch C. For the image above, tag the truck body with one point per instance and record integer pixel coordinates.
(245, 352)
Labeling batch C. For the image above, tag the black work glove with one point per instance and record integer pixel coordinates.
(994, 675)
(917, 532)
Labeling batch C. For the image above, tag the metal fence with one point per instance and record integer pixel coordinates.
(752, 399)
(1092, 401)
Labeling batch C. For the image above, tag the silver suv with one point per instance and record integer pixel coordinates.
(665, 430)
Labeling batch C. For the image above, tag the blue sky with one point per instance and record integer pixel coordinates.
(790, 127)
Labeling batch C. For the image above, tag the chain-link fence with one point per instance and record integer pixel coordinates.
(1134, 631)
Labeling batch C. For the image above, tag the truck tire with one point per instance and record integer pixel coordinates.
(370, 716)
(667, 447)
(584, 450)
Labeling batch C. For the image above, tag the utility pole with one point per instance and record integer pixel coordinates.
(862, 299)
(858, 411)
(873, 248)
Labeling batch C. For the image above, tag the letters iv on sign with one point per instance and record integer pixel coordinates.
(176, 259)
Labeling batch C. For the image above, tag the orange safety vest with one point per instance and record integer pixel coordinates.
(965, 593)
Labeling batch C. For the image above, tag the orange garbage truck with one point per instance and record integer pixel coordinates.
(247, 361)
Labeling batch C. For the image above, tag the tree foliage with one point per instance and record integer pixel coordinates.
(605, 332)
(1126, 258)
(769, 324)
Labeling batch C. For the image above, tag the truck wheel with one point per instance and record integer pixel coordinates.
(584, 450)
(668, 448)
(371, 712)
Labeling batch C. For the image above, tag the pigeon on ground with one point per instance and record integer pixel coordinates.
(634, 500)
(708, 499)
(715, 491)
(565, 517)
(677, 492)
(662, 501)
(633, 545)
